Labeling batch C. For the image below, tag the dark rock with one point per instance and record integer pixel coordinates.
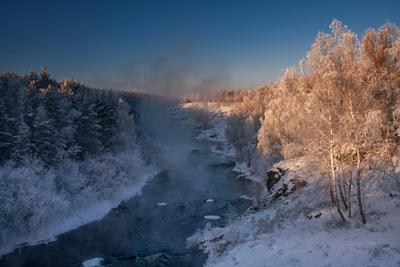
(394, 193)
(318, 215)
(281, 182)
(224, 164)
(273, 176)
(312, 215)
(285, 190)
(298, 183)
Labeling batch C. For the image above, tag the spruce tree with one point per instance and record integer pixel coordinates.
(107, 117)
(88, 130)
(23, 146)
(44, 138)
(6, 138)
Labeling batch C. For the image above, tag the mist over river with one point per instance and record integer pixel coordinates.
(196, 187)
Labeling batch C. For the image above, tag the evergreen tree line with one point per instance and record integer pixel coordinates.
(48, 120)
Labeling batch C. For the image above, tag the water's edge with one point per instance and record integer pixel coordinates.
(151, 229)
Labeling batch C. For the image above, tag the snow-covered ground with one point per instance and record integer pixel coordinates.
(301, 230)
(94, 262)
(296, 225)
(215, 131)
(216, 124)
(90, 190)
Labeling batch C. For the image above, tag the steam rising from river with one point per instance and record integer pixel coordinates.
(176, 74)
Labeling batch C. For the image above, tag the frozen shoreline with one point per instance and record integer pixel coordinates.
(92, 212)
(300, 228)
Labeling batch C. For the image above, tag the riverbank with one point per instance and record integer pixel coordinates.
(292, 222)
(119, 177)
(196, 188)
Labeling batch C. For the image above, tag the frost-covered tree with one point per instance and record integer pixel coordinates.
(87, 134)
(82, 121)
(6, 137)
(44, 138)
(58, 110)
(31, 103)
(340, 105)
(242, 132)
(23, 147)
(107, 116)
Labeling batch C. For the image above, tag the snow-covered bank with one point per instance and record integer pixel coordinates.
(211, 123)
(68, 154)
(300, 229)
(89, 190)
(214, 130)
(294, 223)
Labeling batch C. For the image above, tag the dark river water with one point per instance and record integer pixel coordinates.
(140, 232)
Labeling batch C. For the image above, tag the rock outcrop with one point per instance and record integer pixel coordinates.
(281, 182)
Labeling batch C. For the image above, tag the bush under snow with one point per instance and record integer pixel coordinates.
(38, 202)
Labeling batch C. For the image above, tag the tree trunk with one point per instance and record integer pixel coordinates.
(334, 185)
(358, 183)
(332, 190)
(332, 179)
(341, 191)
(349, 192)
(345, 185)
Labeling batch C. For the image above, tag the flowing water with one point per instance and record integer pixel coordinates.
(195, 188)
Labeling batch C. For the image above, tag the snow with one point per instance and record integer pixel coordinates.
(62, 214)
(314, 246)
(319, 249)
(212, 217)
(245, 172)
(301, 229)
(94, 262)
(39, 203)
(217, 114)
(161, 204)
(245, 197)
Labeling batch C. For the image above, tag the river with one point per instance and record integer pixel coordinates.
(151, 229)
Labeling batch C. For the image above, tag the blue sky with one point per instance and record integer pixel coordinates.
(111, 43)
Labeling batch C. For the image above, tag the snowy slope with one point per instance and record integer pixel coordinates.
(296, 225)
(216, 115)
(301, 230)
(118, 177)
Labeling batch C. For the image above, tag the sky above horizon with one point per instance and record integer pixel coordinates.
(164, 44)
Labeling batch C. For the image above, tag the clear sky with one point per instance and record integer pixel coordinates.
(115, 43)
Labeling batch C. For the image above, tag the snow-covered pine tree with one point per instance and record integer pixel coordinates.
(10, 92)
(57, 108)
(44, 137)
(30, 103)
(107, 116)
(82, 121)
(23, 146)
(87, 134)
(44, 79)
(6, 137)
